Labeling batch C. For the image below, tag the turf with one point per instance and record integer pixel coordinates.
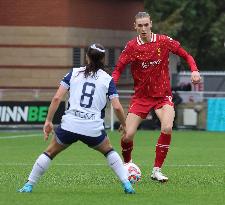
(195, 167)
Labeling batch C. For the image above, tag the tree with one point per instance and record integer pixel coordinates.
(198, 25)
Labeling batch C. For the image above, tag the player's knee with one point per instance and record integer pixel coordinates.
(167, 129)
(127, 139)
(129, 136)
(52, 152)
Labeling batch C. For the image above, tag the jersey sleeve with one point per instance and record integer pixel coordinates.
(125, 58)
(188, 58)
(172, 44)
(127, 54)
(65, 82)
(175, 47)
(112, 91)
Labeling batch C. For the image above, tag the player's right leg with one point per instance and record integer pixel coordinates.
(132, 123)
(115, 162)
(166, 116)
(41, 165)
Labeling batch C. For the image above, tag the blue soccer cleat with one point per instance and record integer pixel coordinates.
(27, 188)
(128, 189)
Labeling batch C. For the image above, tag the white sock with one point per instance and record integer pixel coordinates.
(40, 166)
(115, 162)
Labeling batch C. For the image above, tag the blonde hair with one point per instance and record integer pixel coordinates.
(141, 14)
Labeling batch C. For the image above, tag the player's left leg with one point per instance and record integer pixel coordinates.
(41, 165)
(132, 123)
(166, 116)
(115, 162)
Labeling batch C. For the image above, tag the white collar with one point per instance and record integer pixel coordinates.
(141, 42)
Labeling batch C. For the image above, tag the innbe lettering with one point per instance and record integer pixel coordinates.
(25, 114)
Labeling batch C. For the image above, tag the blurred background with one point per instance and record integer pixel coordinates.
(40, 41)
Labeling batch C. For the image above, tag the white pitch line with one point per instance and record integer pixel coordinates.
(99, 164)
(193, 165)
(19, 136)
(56, 164)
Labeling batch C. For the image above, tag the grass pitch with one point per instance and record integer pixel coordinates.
(195, 166)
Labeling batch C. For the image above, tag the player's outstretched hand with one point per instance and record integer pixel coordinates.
(47, 129)
(195, 77)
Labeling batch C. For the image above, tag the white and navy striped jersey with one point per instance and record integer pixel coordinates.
(87, 101)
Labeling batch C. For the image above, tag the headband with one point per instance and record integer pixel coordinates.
(93, 46)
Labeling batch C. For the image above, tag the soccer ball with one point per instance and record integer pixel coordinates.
(133, 172)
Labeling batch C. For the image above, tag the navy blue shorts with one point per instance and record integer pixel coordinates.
(65, 137)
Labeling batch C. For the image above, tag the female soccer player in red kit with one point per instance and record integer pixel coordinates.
(148, 55)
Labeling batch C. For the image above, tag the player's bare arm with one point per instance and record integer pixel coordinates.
(48, 126)
(118, 109)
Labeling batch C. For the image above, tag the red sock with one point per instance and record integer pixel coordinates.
(127, 148)
(162, 148)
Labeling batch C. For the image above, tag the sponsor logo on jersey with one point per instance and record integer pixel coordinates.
(84, 115)
(147, 64)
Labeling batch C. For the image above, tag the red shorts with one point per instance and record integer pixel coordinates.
(142, 106)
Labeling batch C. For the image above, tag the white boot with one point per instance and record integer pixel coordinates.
(158, 175)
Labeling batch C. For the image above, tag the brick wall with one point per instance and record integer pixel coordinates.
(115, 14)
(37, 37)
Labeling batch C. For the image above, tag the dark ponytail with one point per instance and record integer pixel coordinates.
(96, 55)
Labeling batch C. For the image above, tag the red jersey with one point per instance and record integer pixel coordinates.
(149, 64)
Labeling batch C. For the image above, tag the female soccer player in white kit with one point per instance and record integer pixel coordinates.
(88, 87)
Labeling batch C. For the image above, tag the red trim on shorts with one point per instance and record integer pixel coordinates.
(142, 106)
(141, 115)
(164, 103)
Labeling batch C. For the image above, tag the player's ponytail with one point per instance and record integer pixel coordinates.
(96, 55)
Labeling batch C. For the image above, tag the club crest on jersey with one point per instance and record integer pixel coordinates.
(158, 51)
(147, 64)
